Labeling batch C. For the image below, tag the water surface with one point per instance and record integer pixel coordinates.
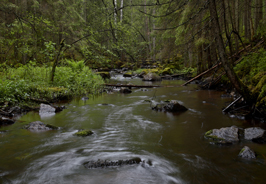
(174, 144)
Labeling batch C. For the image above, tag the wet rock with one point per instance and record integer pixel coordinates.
(151, 77)
(128, 74)
(6, 121)
(141, 75)
(104, 75)
(247, 153)
(59, 108)
(125, 90)
(174, 106)
(255, 134)
(226, 135)
(156, 106)
(85, 98)
(144, 89)
(83, 133)
(106, 163)
(40, 126)
(46, 109)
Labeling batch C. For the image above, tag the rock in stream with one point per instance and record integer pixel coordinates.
(226, 135)
(255, 134)
(107, 163)
(247, 153)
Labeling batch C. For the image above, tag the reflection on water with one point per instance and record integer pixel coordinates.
(125, 127)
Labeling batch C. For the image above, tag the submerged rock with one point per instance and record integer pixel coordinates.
(83, 133)
(40, 126)
(226, 135)
(255, 134)
(151, 77)
(106, 163)
(247, 153)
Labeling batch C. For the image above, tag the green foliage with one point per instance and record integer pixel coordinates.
(31, 81)
(252, 72)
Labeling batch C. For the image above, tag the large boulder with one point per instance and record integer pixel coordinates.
(226, 135)
(40, 126)
(174, 106)
(255, 134)
(247, 153)
(151, 77)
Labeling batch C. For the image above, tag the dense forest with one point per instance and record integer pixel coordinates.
(57, 43)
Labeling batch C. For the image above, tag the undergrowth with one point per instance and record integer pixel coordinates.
(29, 81)
(252, 71)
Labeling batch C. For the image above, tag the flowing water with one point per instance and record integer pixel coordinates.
(172, 145)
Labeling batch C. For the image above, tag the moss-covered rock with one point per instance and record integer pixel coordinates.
(151, 77)
(83, 133)
(226, 135)
(128, 74)
(104, 75)
(40, 126)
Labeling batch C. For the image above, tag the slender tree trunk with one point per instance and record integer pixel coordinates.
(258, 14)
(240, 87)
(247, 17)
(121, 10)
(115, 11)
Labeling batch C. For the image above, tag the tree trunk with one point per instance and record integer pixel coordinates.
(240, 87)
(258, 14)
(247, 17)
(121, 10)
(115, 11)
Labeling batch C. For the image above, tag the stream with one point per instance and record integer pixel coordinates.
(171, 146)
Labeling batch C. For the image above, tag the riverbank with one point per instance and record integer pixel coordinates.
(23, 88)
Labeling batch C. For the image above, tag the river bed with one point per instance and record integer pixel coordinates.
(171, 146)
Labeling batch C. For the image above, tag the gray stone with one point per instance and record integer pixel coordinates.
(247, 153)
(254, 133)
(46, 109)
(223, 135)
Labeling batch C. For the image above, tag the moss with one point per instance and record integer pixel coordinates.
(242, 151)
(214, 138)
(83, 133)
(52, 127)
(208, 133)
(104, 75)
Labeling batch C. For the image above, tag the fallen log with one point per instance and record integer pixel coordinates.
(203, 73)
(132, 86)
(215, 66)
(231, 104)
